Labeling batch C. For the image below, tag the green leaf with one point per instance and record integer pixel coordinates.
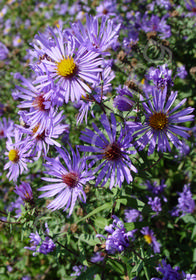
(107, 205)
(89, 239)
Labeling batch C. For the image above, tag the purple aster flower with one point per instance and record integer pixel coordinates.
(68, 182)
(108, 8)
(3, 51)
(159, 125)
(155, 188)
(26, 277)
(161, 76)
(6, 128)
(189, 276)
(191, 6)
(155, 204)
(132, 215)
(118, 238)
(71, 68)
(40, 143)
(94, 37)
(41, 109)
(168, 272)
(166, 4)
(16, 206)
(17, 155)
(151, 239)
(156, 24)
(78, 269)
(186, 204)
(98, 257)
(124, 100)
(181, 72)
(114, 152)
(38, 245)
(24, 191)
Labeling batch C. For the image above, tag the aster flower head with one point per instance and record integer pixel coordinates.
(160, 122)
(40, 142)
(132, 215)
(155, 204)
(168, 272)
(17, 155)
(78, 270)
(24, 191)
(6, 128)
(189, 276)
(186, 204)
(161, 76)
(108, 8)
(118, 239)
(151, 239)
(114, 153)
(69, 179)
(124, 100)
(156, 24)
(39, 245)
(16, 206)
(3, 51)
(156, 188)
(73, 69)
(96, 37)
(40, 107)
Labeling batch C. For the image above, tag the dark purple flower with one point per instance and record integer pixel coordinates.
(118, 238)
(124, 100)
(69, 179)
(168, 272)
(38, 245)
(159, 125)
(156, 188)
(114, 152)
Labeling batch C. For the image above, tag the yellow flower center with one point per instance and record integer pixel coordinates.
(66, 67)
(148, 238)
(13, 155)
(158, 121)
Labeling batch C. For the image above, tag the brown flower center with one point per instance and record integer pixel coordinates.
(38, 103)
(112, 152)
(70, 179)
(158, 121)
